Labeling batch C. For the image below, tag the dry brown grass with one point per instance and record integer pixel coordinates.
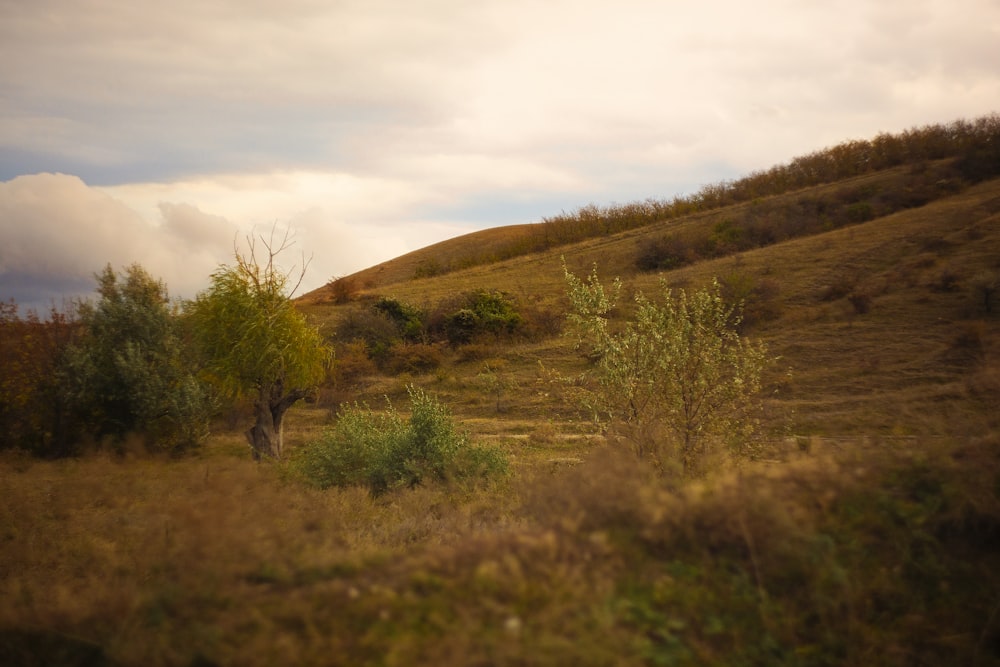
(159, 561)
(881, 555)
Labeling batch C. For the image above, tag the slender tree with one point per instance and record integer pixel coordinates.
(256, 342)
(678, 363)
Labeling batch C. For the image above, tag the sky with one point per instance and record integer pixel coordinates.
(166, 133)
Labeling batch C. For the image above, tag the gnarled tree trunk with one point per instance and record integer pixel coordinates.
(266, 437)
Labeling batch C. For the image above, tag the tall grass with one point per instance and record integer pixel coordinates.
(883, 556)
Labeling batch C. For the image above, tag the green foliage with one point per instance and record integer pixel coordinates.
(407, 318)
(252, 335)
(495, 310)
(254, 340)
(131, 371)
(678, 364)
(482, 312)
(383, 451)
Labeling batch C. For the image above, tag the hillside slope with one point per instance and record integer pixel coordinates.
(876, 326)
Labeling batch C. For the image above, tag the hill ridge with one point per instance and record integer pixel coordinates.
(973, 147)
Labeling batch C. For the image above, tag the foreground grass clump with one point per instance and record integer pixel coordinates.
(382, 450)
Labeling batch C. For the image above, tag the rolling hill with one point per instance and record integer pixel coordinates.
(868, 535)
(877, 325)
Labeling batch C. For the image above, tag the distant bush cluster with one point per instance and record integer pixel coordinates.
(383, 450)
(398, 337)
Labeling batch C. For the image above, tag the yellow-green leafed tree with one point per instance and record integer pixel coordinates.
(677, 371)
(256, 342)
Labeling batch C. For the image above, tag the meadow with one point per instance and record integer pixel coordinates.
(868, 534)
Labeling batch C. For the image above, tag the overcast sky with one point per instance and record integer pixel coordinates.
(159, 132)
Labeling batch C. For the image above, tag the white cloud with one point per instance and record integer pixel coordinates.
(378, 126)
(57, 230)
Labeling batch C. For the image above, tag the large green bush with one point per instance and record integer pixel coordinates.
(131, 371)
(383, 450)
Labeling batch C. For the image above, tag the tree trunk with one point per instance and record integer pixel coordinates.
(266, 437)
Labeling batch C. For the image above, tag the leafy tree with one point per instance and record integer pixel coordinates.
(35, 413)
(256, 342)
(678, 363)
(130, 372)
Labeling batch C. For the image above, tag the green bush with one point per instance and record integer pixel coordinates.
(383, 451)
(131, 371)
(407, 318)
(482, 312)
(677, 378)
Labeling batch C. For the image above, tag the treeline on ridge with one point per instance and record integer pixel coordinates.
(973, 148)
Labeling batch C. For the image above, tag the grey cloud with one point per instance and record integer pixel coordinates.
(132, 90)
(58, 233)
(424, 118)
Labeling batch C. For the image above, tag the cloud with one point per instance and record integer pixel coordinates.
(58, 233)
(379, 126)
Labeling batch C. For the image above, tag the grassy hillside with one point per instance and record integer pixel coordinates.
(922, 350)
(869, 536)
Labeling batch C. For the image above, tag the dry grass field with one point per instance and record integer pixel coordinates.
(869, 536)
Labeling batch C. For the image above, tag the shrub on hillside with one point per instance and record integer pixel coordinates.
(352, 363)
(407, 318)
(381, 326)
(756, 299)
(540, 321)
(428, 268)
(663, 253)
(413, 358)
(677, 379)
(473, 315)
(343, 289)
(384, 451)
